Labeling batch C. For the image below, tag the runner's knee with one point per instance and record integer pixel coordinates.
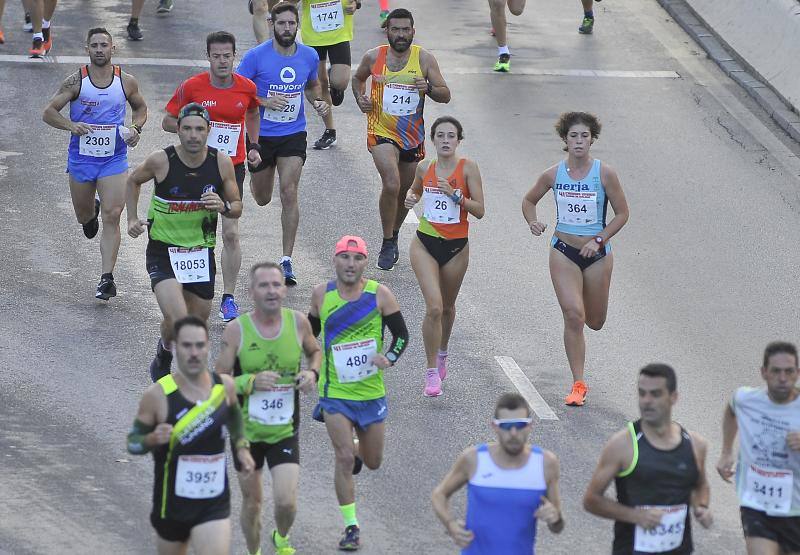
(574, 318)
(230, 237)
(434, 312)
(111, 215)
(345, 457)
(596, 322)
(373, 462)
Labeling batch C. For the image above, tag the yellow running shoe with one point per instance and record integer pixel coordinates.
(503, 64)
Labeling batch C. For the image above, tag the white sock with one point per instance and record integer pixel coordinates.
(441, 354)
(38, 36)
(45, 24)
(503, 50)
(285, 258)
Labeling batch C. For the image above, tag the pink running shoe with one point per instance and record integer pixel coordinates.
(441, 364)
(433, 383)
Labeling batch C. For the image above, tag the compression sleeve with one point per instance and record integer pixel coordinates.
(396, 325)
(244, 384)
(316, 324)
(236, 427)
(136, 437)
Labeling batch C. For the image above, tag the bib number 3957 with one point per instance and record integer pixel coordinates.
(666, 536)
(768, 489)
(353, 361)
(200, 476)
(190, 265)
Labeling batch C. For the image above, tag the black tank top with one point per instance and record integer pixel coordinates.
(658, 478)
(190, 472)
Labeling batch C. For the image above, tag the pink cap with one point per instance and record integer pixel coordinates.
(351, 243)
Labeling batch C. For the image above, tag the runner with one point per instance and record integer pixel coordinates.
(134, 32)
(384, 13)
(97, 159)
(581, 259)
(587, 25)
(403, 75)
(231, 102)
(768, 464)
(41, 12)
(266, 347)
(181, 419)
(282, 69)
(450, 188)
(658, 468)
(497, 12)
(327, 27)
(510, 485)
(351, 312)
(182, 223)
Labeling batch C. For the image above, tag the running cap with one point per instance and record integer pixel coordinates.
(351, 243)
(194, 109)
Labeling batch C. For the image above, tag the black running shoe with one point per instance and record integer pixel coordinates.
(358, 464)
(351, 540)
(91, 227)
(327, 140)
(106, 288)
(337, 96)
(396, 248)
(28, 27)
(250, 6)
(386, 257)
(161, 364)
(134, 32)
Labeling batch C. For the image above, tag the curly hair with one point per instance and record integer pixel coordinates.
(568, 119)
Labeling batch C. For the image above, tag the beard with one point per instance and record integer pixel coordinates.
(101, 62)
(285, 41)
(400, 44)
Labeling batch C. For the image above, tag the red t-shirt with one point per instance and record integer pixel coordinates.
(225, 106)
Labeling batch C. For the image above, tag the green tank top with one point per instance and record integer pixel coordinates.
(269, 416)
(352, 333)
(325, 23)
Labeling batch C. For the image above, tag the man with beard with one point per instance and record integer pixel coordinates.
(510, 485)
(403, 75)
(658, 468)
(282, 69)
(97, 159)
(350, 312)
(191, 180)
(768, 469)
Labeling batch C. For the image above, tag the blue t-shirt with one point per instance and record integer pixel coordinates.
(284, 75)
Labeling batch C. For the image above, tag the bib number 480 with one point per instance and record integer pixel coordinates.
(357, 360)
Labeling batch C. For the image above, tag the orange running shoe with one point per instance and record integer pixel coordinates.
(48, 40)
(2, 36)
(577, 396)
(37, 51)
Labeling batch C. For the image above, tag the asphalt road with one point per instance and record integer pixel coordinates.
(704, 271)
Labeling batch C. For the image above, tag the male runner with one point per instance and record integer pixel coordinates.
(403, 75)
(97, 159)
(587, 24)
(510, 485)
(182, 420)
(282, 69)
(191, 180)
(265, 348)
(232, 104)
(497, 12)
(260, 10)
(768, 469)
(350, 312)
(659, 472)
(41, 12)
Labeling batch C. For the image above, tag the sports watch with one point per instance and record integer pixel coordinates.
(391, 357)
(599, 240)
(457, 196)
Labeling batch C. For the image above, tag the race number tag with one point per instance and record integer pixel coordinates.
(768, 489)
(275, 406)
(200, 476)
(666, 536)
(327, 16)
(399, 99)
(438, 208)
(190, 265)
(576, 208)
(224, 137)
(289, 112)
(100, 143)
(353, 361)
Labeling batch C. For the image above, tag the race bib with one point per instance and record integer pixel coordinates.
(275, 406)
(399, 99)
(289, 112)
(200, 476)
(577, 208)
(327, 16)
(224, 137)
(768, 489)
(666, 536)
(438, 208)
(353, 361)
(190, 265)
(100, 143)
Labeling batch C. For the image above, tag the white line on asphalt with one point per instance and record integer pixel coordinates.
(526, 389)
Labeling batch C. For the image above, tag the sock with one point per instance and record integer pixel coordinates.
(45, 24)
(349, 514)
(589, 14)
(285, 258)
(389, 240)
(225, 296)
(441, 354)
(503, 50)
(39, 36)
(395, 235)
(384, 5)
(134, 21)
(108, 275)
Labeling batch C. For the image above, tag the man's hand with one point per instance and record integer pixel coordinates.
(245, 460)
(461, 536)
(364, 103)
(726, 466)
(161, 435)
(703, 516)
(547, 512)
(79, 129)
(306, 380)
(649, 518)
(265, 380)
(136, 227)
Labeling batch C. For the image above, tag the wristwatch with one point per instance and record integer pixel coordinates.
(226, 207)
(137, 127)
(599, 240)
(391, 357)
(457, 196)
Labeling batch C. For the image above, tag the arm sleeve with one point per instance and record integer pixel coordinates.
(136, 437)
(244, 384)
(397, 326)
(316, 324)
(235, 426)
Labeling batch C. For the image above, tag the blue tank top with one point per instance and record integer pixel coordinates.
(102, 107)
(501, 503)
(580, 205)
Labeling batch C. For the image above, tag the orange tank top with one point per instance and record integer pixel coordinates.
(441, 216)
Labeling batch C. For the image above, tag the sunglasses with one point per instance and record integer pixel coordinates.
(507, 424)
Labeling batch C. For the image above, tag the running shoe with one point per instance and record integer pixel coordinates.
(228, 309)
(587, 26)
(577, 397)
(337, 96)
(161, 364)
(106, 288)
(396, 248)
(384, 16)
(441, 365)
(350, 541)
(282, 546)
(327, 140)
(503, 64)
(2, 36)
(91, 227)
(37, 50)
(433, 383)
(28, 26)
(288, 274)
(250, 6)
(134, 32)
(48, 39)
(386, 258)
(358, 463)
(165, 6)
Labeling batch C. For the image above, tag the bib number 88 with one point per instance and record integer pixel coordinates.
(223, 139)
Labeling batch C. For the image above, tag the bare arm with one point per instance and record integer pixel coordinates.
(314, 96)
(135, 99)
(67, 92)
(437, 87)
(226, 359)
(169, 123)
(552, 473)
(414, 192)
(456, 479)
(387, 302)
(310, 344)
(316, 300)
(252, 123)
(726, 464)
(229, 186)
(143, 173)
(474, 205)
(532, 198)
(359, 82)
(701, 494)
(619, 204)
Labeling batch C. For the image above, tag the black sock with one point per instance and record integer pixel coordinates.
(395, 235)
(134, 21)
(108, 275)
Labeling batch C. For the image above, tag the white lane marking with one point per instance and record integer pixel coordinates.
(17, 58)
(526, 389)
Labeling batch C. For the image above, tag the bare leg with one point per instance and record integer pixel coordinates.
(231, 254)
(451, 276)
(407, 171)
(289, 170)
(284, 493)
(340, 430)
(370, 444)
(112, 201)
(212, 537)
(568, 283)
(136, 8)
(427, 270)
(322, 75)
(82, 200)
(387, 160)
(261, 185)
(250, 518)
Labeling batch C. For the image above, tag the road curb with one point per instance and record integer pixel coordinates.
(732, 64)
